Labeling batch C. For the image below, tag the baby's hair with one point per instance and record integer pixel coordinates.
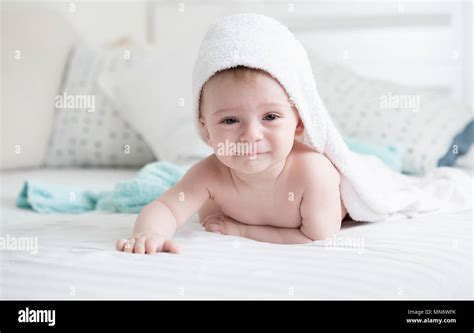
(239, 73)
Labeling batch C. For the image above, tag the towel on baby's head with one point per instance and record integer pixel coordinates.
(369, 189)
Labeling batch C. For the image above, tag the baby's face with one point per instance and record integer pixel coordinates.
(250, 124)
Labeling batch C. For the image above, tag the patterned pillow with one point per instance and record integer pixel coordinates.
(88, 130)
(421, 123)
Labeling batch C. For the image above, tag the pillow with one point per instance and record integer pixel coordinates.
(35, 45)
(160, 109)
(460, 146)
(379, 112)
(88, 129)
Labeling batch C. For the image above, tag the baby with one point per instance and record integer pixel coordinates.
(261, 182)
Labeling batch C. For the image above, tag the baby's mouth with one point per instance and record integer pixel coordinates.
(254, 155)
(249, 153)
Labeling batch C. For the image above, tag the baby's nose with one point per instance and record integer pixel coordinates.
(252, 132)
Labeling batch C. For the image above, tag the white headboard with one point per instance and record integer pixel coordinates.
(426, 44)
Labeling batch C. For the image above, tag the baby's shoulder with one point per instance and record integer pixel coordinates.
(311, 165)
(206, 170)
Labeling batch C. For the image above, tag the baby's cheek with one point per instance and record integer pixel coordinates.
(285, 144)
(226, 160)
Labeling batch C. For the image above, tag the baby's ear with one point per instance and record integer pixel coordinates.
(300, 127)
(204, 131)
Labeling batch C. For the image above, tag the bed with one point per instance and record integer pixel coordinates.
(426, 257)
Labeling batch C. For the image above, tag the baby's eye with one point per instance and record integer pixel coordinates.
(229, 121)
(270, 117)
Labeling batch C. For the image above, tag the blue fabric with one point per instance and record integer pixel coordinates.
(460, 146)
(151, 182)
(128, 196)
(47, 198)
(391, 155)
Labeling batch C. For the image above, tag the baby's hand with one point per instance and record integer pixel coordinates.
(223, 224)
(146, 243)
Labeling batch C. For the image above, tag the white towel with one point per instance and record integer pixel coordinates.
(369, 189)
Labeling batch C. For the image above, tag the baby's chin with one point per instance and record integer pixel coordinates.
(248, 164)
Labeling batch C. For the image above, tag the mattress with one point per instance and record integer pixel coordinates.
(425, 257)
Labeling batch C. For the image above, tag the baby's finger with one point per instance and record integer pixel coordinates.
(170, 246)
(129, 244)
(208, 226)
(151, 245)
(215, 227)
(207, 221)
(120, 244)
(165, 246)
(140, 245)
(211, 218)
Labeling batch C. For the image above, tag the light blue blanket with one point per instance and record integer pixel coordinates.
(129, 196)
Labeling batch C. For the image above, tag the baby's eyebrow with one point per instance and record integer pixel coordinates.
(224, 110)
(261, 105)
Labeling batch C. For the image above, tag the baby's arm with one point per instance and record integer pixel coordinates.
(320, 209)
(264, 233)
(209, 209)
(159, 220)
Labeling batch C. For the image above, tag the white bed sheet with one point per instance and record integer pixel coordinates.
(427, 257)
